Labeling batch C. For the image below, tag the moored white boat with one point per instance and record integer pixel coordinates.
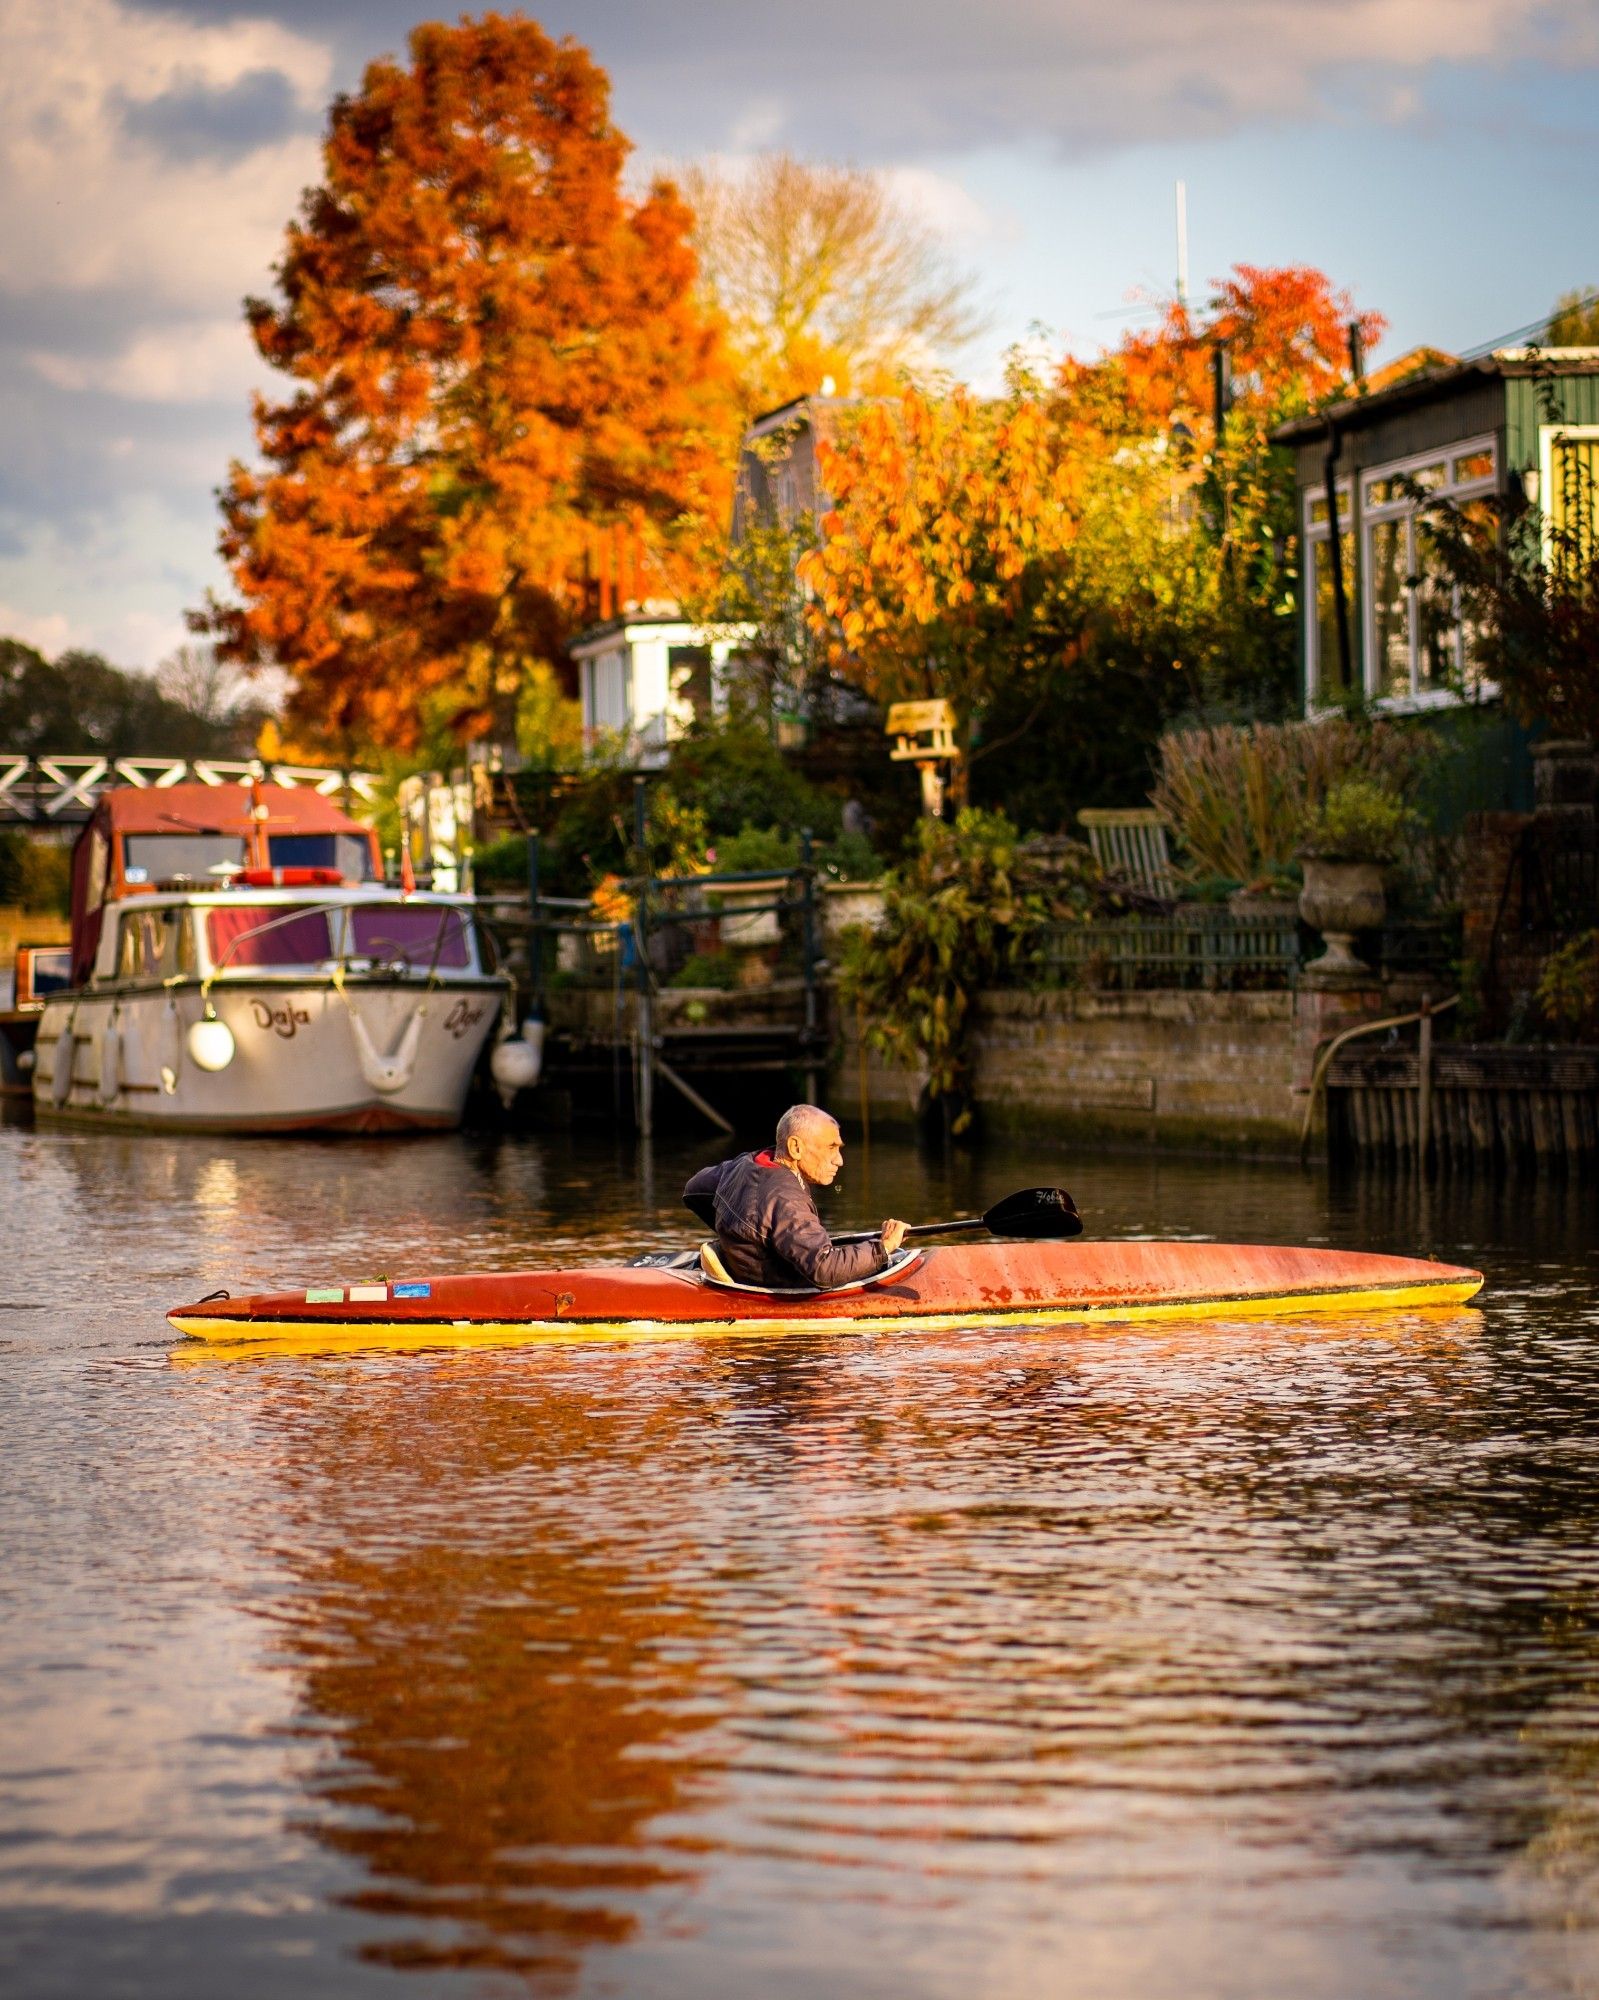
(238, 966)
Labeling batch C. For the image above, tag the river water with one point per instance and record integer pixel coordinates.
(1245, 1658)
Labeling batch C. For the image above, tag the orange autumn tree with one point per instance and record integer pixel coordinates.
(1085, 555)
(498, 378)
(1286, 332)
(1285, 335)
(940, 559)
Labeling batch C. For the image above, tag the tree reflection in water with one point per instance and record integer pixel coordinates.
(509, 1704)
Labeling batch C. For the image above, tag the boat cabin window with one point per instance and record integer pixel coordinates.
(420, 934)
(174, 857)
(241, 935)
(41, 971)
(154, 944)
(350, 853)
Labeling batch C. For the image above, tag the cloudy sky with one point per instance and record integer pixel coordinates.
(1440, 157)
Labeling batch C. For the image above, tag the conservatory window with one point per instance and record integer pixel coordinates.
(1418, 648)
(1323, 659)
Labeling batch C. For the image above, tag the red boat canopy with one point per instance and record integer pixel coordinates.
(139, 836)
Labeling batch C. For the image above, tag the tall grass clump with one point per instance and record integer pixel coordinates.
(1238, 799)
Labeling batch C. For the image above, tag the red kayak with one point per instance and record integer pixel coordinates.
(980, 1284)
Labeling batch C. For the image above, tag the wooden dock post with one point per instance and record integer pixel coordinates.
(1424, 1088)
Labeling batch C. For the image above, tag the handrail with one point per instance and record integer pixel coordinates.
(1318, 1076)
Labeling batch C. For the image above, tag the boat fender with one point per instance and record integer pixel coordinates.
(517, 1061)
(391, 1072)
(211, 1044)
(65, 1057)
(110, 1064)
(172, 1047)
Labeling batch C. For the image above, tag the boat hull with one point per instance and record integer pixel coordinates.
(297, 1065)
(1019, 1284)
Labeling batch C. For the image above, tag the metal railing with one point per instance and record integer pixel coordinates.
(1201, 947)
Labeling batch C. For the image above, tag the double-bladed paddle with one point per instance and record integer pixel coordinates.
(1037, 1212)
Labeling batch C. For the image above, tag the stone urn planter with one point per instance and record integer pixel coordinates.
(846, 904)
(758, 928)
(1340, 898)
(1565, 775)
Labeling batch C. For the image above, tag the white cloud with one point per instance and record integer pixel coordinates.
(759, 124)
(90, 206)
(1086, 76)
(51, 633)
(211, 361)
(118, 583)
(945, 206)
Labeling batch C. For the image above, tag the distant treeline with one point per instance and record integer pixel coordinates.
(79, 704)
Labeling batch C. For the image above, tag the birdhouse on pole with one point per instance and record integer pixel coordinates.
(923, 734)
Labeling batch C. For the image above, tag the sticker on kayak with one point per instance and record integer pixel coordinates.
(325, 1295)
(413, 1291)
(367, 1294)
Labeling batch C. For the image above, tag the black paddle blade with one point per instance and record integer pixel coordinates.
(1041, 1211)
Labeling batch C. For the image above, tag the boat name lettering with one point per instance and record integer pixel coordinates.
(285, 1019)
(463, 1015)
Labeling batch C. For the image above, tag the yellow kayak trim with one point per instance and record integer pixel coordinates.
(305, 1336)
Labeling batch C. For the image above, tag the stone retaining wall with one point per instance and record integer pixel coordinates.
(1187, 1069)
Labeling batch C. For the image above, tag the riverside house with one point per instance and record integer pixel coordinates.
(1522, 423)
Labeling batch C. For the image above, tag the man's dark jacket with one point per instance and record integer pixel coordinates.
(769, 1231)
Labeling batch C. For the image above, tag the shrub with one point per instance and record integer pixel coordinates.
(851, 858)
(954, 920)
(754, 848)
(1238, 798)
(1358, 821)
(34, 873)
(735, 777)
(501, 864)
(1568, 988)
(716, 970)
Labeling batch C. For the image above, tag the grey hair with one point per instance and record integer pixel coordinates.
(800, 1118)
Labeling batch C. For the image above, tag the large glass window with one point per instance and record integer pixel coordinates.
(266, 934)
(349, 853)
(421, 934)
(181, 857)
(1387, 571)
(1417, 644)
(1322, 650)
(154, 944)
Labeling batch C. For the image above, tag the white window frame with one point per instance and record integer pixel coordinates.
(1375, 514)
(1314, 532)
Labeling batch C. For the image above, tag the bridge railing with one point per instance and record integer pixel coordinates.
(62, 791)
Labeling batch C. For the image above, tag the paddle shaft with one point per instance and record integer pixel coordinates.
(918, 1229)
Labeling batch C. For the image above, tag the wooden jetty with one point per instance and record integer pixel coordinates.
(1470, 1103)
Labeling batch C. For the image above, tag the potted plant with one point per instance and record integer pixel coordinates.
(756, 852)
(1349, 840)
(850, 886)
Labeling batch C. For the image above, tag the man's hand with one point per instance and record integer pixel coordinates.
(893, 1234)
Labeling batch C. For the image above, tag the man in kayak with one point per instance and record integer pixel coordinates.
(765, 1214)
